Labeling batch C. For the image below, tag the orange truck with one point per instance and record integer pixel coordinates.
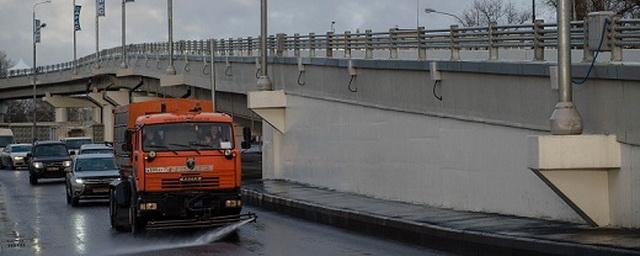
(179, 167)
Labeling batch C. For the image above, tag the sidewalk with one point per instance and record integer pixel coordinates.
(455, 231)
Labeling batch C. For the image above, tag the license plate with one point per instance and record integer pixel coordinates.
(100, 190)
(52, 168)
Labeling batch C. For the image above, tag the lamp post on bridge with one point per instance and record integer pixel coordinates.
(76, 13)
(37, 25)
(430, 10)
(264, 82)
(171, 69)
(100, 11)
(565, 119)
(124, 64)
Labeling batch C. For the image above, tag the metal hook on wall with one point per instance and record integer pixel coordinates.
(353, 73)
(301, 72)
(227, 69)
(187, 65)
(435, 95)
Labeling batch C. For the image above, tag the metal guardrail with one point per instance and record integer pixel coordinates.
(621, 34)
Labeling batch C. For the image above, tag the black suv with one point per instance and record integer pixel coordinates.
(48, 159)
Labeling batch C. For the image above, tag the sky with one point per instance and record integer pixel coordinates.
(202, 19)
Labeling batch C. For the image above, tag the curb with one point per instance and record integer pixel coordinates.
(432, 236)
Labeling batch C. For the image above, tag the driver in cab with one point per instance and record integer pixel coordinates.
(153, 138)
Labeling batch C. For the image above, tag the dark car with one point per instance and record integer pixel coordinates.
(48, 159)
(90, 177)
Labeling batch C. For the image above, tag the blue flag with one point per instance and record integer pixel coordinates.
(100, 8)
(76, 17)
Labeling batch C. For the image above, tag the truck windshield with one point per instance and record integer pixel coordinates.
(187, 136)
(95, 165)
(5, 140)
(77, 143)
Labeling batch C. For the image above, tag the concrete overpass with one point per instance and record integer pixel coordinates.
(455, 118)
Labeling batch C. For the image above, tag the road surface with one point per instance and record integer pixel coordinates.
(35, 220)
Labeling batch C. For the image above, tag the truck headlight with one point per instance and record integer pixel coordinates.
(79, 181)
(66, 163)
(38, 165)
(18, 158)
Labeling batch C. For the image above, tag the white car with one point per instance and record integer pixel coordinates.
(95, 149)
(14, 156)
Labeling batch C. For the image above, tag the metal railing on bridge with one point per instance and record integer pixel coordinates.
(621, 34)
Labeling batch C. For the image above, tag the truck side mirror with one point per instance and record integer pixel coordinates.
(246, 137)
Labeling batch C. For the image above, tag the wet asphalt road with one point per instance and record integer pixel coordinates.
(37, 221)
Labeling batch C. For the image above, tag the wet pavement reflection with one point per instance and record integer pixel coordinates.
(35, 220)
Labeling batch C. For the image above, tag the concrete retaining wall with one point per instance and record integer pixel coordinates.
(410, 157)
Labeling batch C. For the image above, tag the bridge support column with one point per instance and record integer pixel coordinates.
(61, 115)
(3, 112)
(108, 101)
(61, 105)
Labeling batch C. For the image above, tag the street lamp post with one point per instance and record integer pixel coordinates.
(565, 119)
(171, 69)
(36, 27)
(264, 82)
(430, 10)
(124, 64)
(97, 63)
(75, 52)
(533, 11)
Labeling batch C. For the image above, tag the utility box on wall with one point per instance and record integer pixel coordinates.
(599, 23)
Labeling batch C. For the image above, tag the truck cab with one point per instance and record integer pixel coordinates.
(180, 167)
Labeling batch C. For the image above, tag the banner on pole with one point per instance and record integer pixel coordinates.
(37, 31)
(76, 17)
(100, 8)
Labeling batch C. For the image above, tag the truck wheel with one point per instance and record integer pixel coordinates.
(137, 224)
(33, 179)
(119, 215)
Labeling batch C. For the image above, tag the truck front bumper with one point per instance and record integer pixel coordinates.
(189, 205)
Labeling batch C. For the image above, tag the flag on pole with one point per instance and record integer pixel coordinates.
(38, 27)
(101, 8)
(76, 17)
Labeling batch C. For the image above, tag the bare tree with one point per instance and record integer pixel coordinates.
(5, 64)
(625, 8)
(484, 12)
(21, 111)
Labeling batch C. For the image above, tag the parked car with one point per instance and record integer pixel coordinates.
(90, 177)
(14, 156)
(48, 159)
(95, 149)
(74, 143)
